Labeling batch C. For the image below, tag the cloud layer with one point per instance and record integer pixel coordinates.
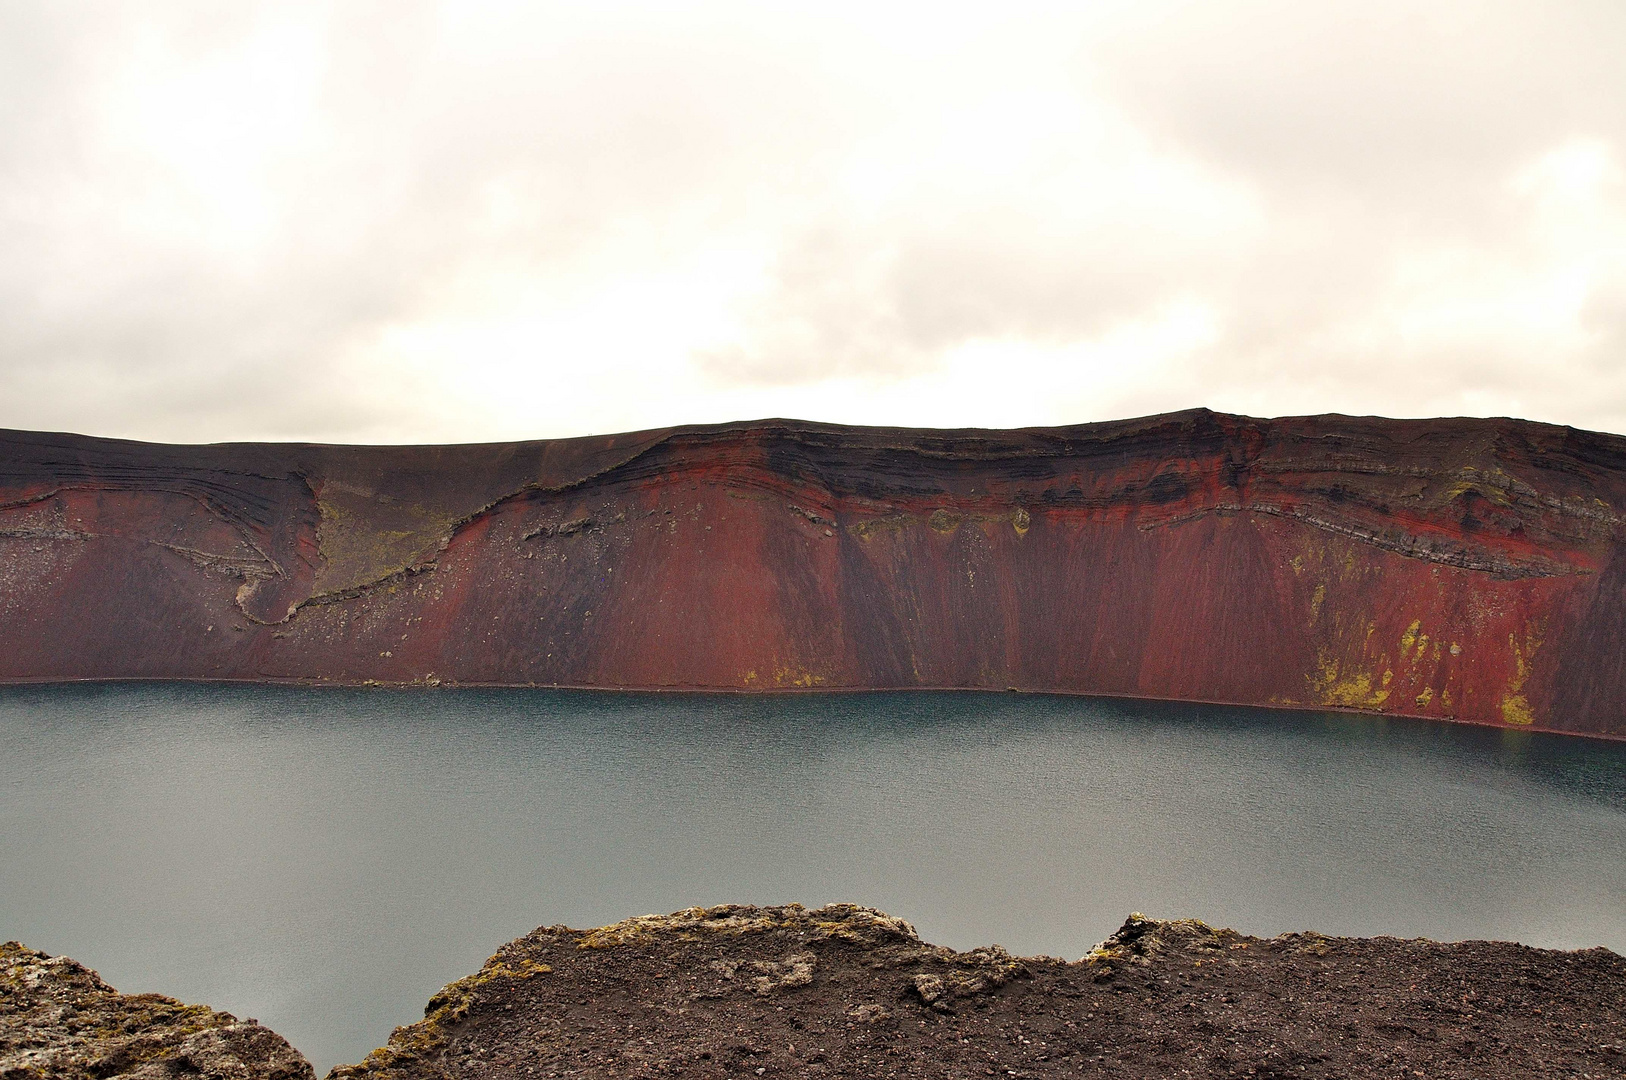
(409, 222)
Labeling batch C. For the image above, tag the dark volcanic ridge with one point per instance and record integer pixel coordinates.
(1469, 570)
(846, 991)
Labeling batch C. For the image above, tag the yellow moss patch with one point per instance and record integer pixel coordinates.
(789, 676)
(1515, 706)
(1492, 484)
(1516, 710)
(892, 523)
(629, 932)
(1331, 685)
(726, 919)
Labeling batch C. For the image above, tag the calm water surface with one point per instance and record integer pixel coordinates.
(324, 860)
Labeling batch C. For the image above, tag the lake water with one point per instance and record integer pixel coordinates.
(323, 860)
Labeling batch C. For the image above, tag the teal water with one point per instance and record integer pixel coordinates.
(323, 860)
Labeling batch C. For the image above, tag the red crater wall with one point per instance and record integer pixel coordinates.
(1457, 569)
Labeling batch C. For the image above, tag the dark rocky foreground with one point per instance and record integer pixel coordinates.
(59, 1019)
(1467, 570)
(845, 991)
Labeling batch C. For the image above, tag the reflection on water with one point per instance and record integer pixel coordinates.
(325, 859)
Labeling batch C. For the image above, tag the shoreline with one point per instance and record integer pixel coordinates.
(810, 691)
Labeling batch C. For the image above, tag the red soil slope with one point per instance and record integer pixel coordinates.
(1457, 569)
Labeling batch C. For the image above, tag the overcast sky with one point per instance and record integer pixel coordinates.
(410, 222)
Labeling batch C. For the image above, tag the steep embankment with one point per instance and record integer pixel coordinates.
(1461, 569)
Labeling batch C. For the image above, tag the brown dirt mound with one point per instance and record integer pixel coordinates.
(845, 991)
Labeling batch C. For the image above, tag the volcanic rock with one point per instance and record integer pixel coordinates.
(58, 1019)
(845, 991)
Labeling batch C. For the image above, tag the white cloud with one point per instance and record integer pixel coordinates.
(471, 221)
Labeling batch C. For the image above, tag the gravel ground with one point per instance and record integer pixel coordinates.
(845, 991)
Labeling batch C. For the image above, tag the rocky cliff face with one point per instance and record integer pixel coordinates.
(1456, 569)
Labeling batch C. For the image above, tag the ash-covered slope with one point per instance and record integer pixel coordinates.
(844, 991)
(1461, 569)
